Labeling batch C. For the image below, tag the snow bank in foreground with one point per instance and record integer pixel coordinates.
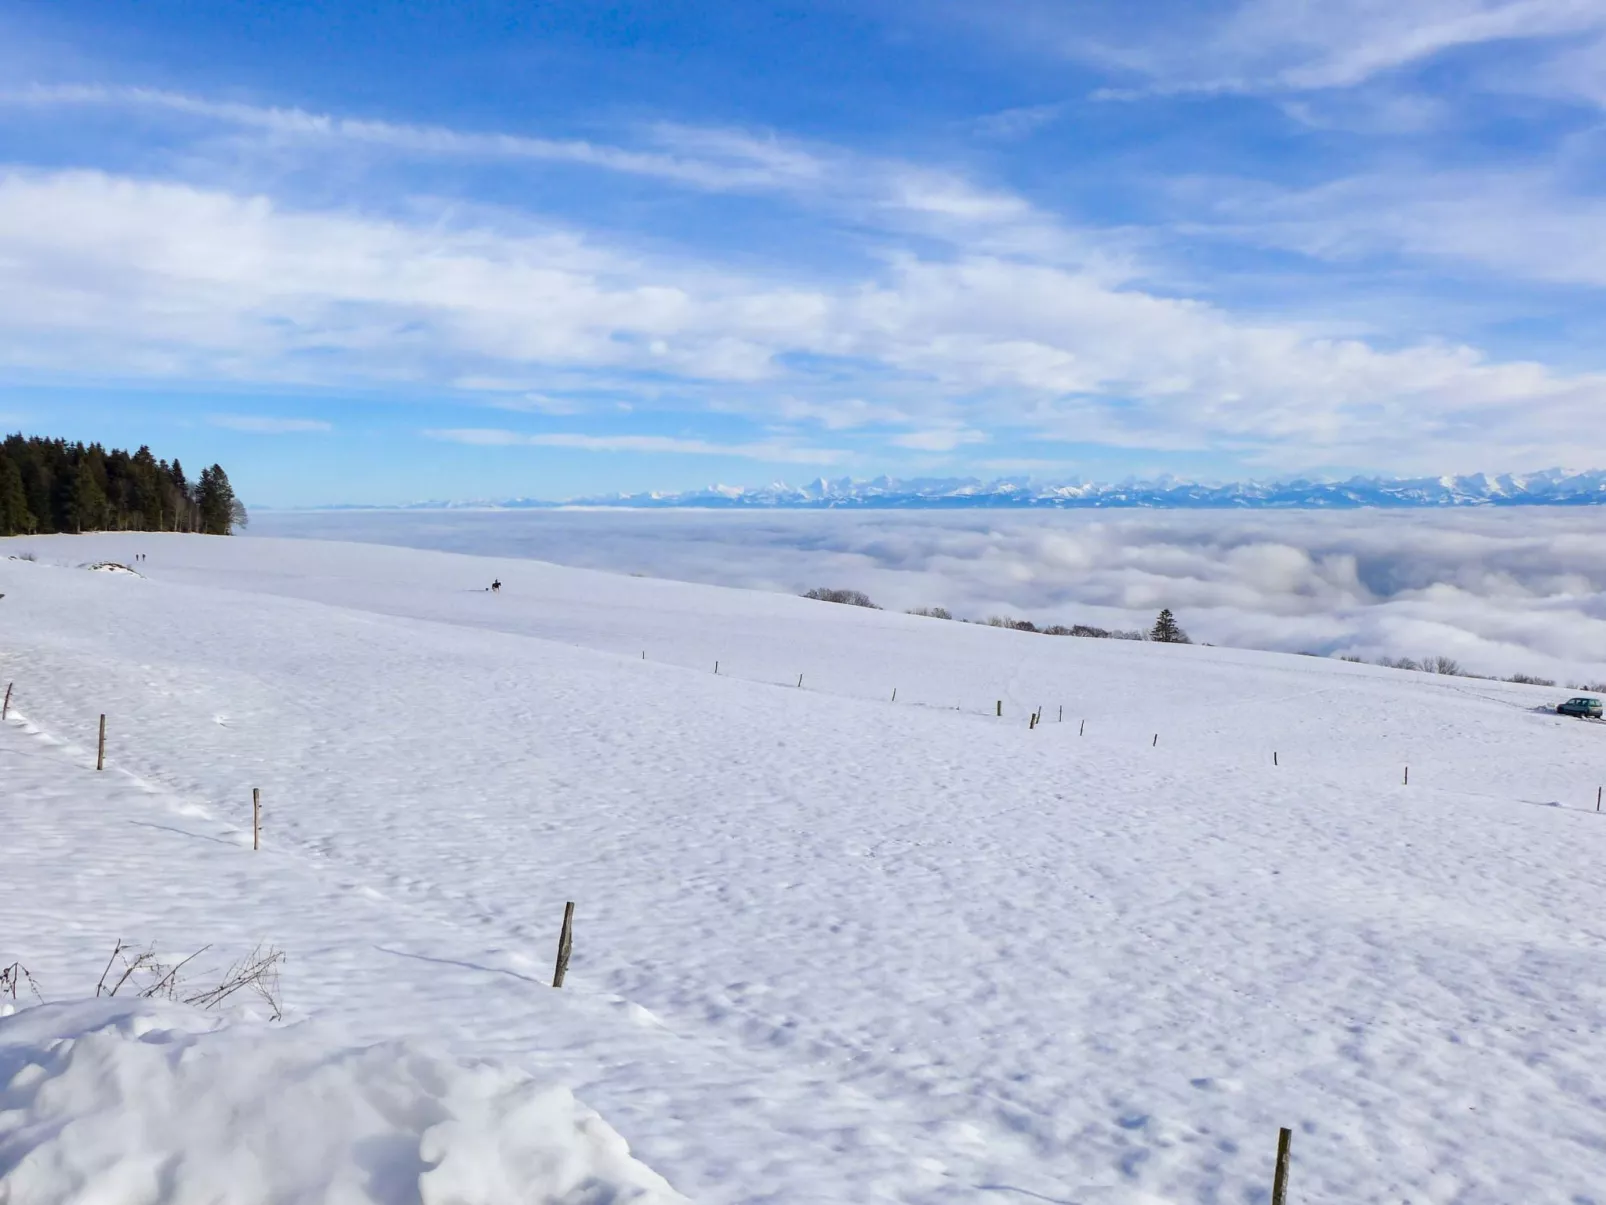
(137, 1101)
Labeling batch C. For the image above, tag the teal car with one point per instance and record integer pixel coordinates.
(1584, 707)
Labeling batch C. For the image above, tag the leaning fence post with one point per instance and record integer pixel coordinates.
(565, 944)
(256, 817)
(716, 667)
(894, 694)
(1082, 731)
(1279, 1182)
(1598, 790)
(5, 707)
(100, 751)
(800, 681)
(1155, 742)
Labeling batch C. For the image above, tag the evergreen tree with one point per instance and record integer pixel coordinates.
(1166, 630)
(15, 518)
(214, 499)
(87, 508)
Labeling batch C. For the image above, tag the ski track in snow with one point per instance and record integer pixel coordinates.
(830, 948)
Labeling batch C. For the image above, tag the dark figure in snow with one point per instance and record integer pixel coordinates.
(495, 586)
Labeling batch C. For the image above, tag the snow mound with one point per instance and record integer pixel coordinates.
(140, 1101)
(112, 567)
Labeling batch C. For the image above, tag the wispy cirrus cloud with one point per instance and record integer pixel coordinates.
(261, 424)
(1248, 47)
(888, 193)
(771, 451)
(1515, 221)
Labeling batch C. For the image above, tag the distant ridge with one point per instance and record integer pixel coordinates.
(1551, 487)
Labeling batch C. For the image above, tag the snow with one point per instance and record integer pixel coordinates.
(828, 948)
(134, 1100)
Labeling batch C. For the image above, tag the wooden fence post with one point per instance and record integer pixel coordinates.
(1274, 757)
(100, 751)
(1598, 791)
(1032, 723)
(1062, 713)
(1082, 731)
(1155, 742)
(894, 694)
(1279, 1181)
(1407, 775)
(716, 667)
(1000, 707)
(5, 708)
(256, 817)
(800, 681)
(565, 944)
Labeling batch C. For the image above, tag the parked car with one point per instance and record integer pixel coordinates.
(1584, 707)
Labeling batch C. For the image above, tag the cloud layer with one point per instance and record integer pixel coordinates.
(161, 279)
(1501, 592)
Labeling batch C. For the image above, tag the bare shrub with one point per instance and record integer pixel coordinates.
(13, 977)
(851, 598)
(1352, 657)
(148, 977)
(933, 612)
(1530, 680)
(1443, 665)
(1594, 688)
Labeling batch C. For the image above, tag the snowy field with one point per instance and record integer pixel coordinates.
(829, 947)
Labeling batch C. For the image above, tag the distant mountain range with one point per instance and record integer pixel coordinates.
(1552, 487)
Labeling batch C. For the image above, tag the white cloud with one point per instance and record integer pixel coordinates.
(776, 451)
(267, 425)
(162, 280)
(938, 439)
(1511, 591)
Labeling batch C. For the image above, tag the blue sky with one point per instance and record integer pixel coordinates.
(382, 252)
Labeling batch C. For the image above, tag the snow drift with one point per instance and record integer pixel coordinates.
(125, 1102)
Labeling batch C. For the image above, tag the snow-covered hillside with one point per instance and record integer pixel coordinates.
(830, 947)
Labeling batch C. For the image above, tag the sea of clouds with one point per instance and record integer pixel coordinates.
(1501, 591)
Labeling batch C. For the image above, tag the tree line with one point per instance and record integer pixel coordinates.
(1166, 630)
(50, 485)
